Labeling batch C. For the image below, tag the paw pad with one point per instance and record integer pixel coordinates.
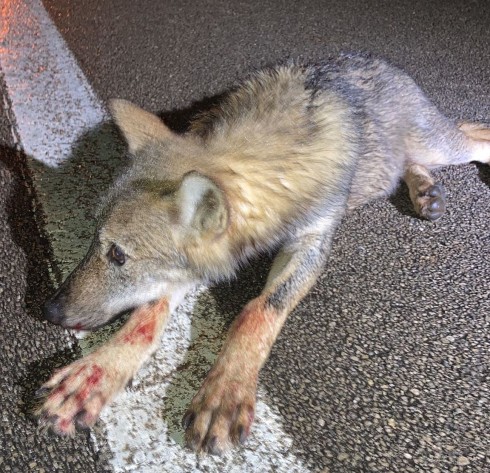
(432, 202)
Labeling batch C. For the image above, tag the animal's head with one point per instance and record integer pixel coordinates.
(152, 217)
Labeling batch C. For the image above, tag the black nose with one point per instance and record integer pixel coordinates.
(53, 311)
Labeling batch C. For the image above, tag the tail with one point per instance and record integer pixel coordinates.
(479, 140)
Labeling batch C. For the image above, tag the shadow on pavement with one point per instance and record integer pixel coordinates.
(30, 347)
(484, 173)
(24, 221)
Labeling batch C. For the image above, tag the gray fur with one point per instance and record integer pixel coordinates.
(275, 166)
(291, 148)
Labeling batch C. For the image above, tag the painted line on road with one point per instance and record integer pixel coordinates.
(53, 102)
(73, 158)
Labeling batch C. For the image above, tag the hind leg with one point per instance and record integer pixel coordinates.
(428, 198)
(478, 135)
(449, 145)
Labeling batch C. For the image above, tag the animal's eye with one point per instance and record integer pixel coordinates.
(116, 255)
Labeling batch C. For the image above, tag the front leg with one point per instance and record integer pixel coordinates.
(76, 394)
(222, 411)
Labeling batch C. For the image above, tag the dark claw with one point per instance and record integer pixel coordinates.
(195, 443)
(212, 447)
(242, 434)
(188, 419)
(41, 392)
(80, 421)
(48, 420)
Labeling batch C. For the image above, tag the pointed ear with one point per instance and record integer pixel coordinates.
(202, 204)
(138, 126)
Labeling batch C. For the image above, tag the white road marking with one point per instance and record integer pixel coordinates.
(54, 106)
(52, 100)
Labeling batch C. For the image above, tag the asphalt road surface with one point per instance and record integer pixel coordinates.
(384, 367)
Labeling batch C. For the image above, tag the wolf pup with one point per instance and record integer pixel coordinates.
(274, 167)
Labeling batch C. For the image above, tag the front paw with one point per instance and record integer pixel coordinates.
(75, 395)
(221, 413)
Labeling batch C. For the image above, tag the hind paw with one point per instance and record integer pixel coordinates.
(431, 203)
